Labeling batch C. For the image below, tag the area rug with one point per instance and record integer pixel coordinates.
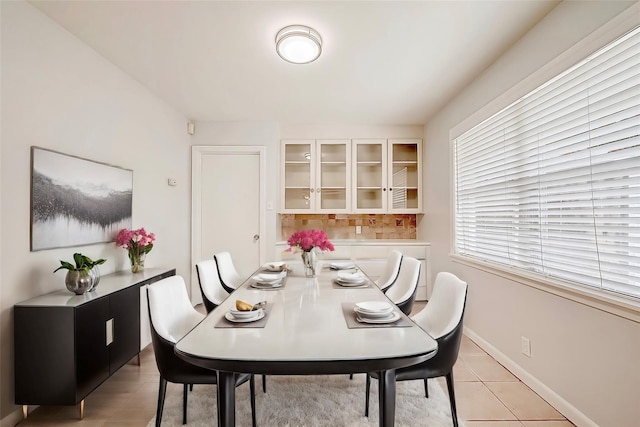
(311, 401)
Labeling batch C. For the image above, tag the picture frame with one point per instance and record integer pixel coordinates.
(77, 201)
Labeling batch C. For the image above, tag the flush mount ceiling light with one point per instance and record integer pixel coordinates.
(298, 44)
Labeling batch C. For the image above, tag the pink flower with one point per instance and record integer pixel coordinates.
(309, 239)
(137, 240)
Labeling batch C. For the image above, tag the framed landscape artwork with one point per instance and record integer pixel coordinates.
(76, 201)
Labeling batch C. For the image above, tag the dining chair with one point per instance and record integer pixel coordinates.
(171, 316)
(403, 291)
(213, 293)
(392, 269)
(210, 286)
(442, 318)
(229, 276)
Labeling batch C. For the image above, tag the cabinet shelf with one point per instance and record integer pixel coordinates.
(376, 175)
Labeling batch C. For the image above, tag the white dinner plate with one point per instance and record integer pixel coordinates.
(230, 317)
(350, 283)
(342, 265)
(374, 307)
(393, 317)
(370, 315)
(267, 277)
(350, 277)
(256, 280)
(273, 285)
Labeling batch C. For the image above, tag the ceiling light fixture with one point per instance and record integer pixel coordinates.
(298, 44)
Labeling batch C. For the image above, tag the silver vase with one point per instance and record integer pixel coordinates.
(78, 282)
(95, 277)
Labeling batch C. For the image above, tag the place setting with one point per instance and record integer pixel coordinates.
(373, 314)
(346, 279)
(342, 265)
(245, 315)
(276, 267)
(267, 281)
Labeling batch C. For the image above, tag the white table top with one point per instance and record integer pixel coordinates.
(305, 324)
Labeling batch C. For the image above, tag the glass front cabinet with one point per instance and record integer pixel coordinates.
(316, 176)
(351, 176)
(387, 175)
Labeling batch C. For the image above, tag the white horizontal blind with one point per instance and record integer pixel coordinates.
(551, 184)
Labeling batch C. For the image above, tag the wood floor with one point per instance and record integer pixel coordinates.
(487, 394)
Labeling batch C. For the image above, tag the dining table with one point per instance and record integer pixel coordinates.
(308, 327)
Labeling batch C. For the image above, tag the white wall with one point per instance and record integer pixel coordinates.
(57, 93)
(269, 134)
(584, 361)
(245, 134)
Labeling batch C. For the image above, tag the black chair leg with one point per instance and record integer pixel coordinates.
(184, 403)
(252, 386)
(452, 399)
(426, 389)
(162, 391)
(264, 383)
(190, 387)
(366, 398)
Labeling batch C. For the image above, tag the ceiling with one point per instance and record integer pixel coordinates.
(383, 62)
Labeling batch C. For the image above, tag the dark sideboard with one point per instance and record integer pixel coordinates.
(66, 345)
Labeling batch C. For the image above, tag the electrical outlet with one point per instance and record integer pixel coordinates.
(358, 229)
(526, 346)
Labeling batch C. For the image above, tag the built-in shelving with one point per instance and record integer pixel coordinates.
(351, 176)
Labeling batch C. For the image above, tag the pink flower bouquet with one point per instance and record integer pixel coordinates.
(138, 243)
(306, 240)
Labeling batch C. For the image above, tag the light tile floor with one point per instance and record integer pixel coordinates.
(487, 395)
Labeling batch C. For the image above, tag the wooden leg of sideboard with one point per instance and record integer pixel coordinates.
(81, 408)
(25, 411)
(138, 358)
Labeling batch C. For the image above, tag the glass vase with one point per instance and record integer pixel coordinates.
(309, 263)
(137, 261)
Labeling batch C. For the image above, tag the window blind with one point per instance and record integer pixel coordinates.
(551, 184)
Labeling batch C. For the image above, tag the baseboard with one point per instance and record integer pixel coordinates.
(565, 408)
(13, 418)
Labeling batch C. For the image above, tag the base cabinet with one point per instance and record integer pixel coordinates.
(371, 257)
(67, 345)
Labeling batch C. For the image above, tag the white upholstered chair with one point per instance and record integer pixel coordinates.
(229, 276)
(171, 316)
(403, 291)
(392, 269)
(210, 286)
(442, 318)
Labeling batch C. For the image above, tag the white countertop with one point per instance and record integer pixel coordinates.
(373, 242)
(108, 284)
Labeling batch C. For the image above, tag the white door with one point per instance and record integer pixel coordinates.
(228, 199)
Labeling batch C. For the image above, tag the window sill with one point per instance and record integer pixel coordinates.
(619, 305)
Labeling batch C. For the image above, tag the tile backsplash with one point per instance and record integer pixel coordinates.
(343, 226)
